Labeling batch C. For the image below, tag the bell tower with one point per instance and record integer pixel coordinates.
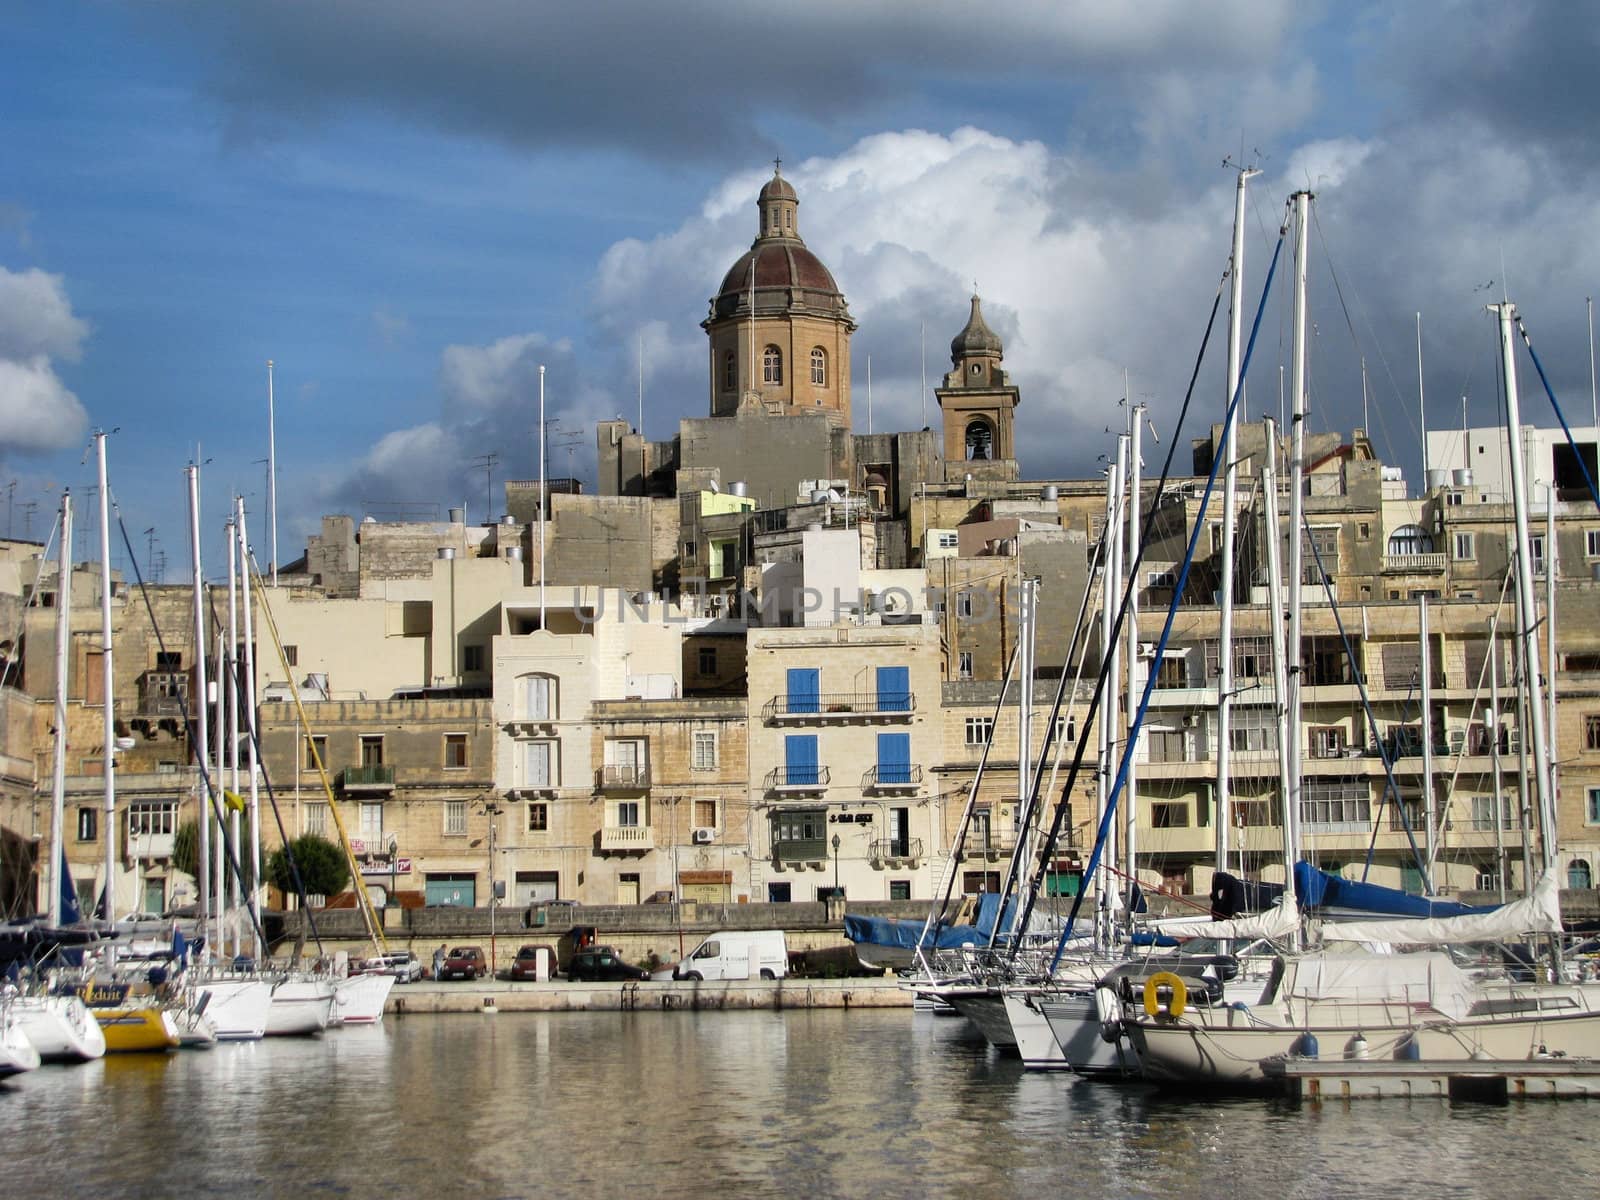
(978, 406)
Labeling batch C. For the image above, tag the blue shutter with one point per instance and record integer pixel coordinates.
(803, 690)
(894, 689)
(894, 758)
(800, 759)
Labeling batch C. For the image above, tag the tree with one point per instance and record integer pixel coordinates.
(323, 868)
(186, 849)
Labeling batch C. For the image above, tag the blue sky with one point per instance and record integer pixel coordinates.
(408, 207)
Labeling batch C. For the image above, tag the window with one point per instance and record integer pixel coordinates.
(1536, 552)
(628, 813)
(705, 814)
(1591, 814)
(800, 760)
(705, 750)
(88, 824)
(1335, 802)
(979, 730)
(963, 604)
(1483, 812)
(772, 365)
(730, 371)
(1591, 542)
(803, 690)
(538, 818)
(707, 656)
(171, 660)
(1364, 530)
(819, 367)
(899, 889)
(1252, 814)
(1173, 671)
(291, 655)
(1578, 874)
(1321, 547)
(626, 761)
(536, 698)
(147, 817)
(980, 441)
(1252, 658)
(894, 758)
(689, 552)
(1410, 539)
(472, 658)
(455, 818)
(1327, 741)
(316, 750)
(372, 749)
(1066, 730)
(316, 819)
(537, 765)
(1453, 499)
(1465, 545)
(973, 882)
(1591, 731)
(1167, 579)
(949, 541)
(455, 751)
(964, 664)
(1168, 815)
(372, 823)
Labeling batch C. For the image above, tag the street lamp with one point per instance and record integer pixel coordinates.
(394, 866)
(836, 866)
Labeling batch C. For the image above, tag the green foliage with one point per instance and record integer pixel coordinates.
(323, 868)
(186, 849)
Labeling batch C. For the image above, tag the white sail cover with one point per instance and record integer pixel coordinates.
(1276, 923)
(1538, 912)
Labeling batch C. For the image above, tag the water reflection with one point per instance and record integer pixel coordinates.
(728, 1104)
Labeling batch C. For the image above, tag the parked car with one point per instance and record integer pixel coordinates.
(602, 963)
(525, 966)
(465, 962)
(405, 966)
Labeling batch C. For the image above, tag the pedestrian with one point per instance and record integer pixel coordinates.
(438, 961)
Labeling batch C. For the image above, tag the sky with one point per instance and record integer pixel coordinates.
(409, 207)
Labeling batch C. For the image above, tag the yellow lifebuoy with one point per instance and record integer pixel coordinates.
(1178, 997)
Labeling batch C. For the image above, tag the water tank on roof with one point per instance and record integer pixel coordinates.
(514, 553)
(508, 519)
(1437, 477)
(819, 496)
(814, 527)
(369, 520)
(446, 552)
(1050, 492)
(738, 488)
(458, 516)
(1461, 477)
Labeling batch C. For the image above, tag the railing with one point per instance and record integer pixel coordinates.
(1415, 564)
(368, 779)
(623, 778)
(895, 848)
(837, 704)
(891, 776)
(626, 837)
(797, 779)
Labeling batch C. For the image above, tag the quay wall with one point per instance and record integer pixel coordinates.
(503, 997)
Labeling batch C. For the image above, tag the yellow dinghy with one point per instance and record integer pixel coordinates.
(136, 1024)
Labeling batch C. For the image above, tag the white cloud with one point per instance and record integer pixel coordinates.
(37, 411)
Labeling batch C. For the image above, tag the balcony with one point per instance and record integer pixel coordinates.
(800, 853)
(892, 777)
(797, 781)
(891, 852)
(1415, 564)
(836, 706)
(370, 780)
(628, 777)
(626, 837)
(147, 847)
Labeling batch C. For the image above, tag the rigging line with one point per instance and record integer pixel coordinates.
(209, 787)
(1366, 704)
(1565, 428)
(1477, 691)
(15, 656)
(1146, 537)
(1116, 633)
(1172, 613)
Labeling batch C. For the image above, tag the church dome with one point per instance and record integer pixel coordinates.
(977, 338)
(784, 275)
(778, 188)
(781, 264)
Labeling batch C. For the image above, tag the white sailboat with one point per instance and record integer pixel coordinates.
(60, 1027)
(17, 1053)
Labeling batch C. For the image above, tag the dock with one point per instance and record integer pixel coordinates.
(1466, 1080)
(500, 996)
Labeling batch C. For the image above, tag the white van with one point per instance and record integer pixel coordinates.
(737, 954)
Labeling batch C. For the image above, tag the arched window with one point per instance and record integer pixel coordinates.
(730, 371)
(772, 365)
(1578, 874)
(1410, 539)
(980, 440)
(819, 366)
(536, 698)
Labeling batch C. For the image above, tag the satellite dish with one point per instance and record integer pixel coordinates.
(124, 743)
(714, 487)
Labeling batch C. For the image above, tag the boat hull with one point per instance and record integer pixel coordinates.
(1035, 1042)
(17, 1053)
(1075, 1022)
(985, 1008)
(137, 1029)
(300, 1008)
(61, 1028)
(359, 1000)
(238, 1008)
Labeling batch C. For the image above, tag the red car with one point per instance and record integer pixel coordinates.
(465, 962)
(526, 965)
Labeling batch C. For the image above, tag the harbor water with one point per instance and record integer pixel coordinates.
(804, 1103)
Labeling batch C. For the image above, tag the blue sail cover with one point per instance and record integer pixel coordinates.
(71, 914)
(907, 934)
(1318, 889)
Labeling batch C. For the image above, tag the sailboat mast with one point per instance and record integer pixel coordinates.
(1110, 711)
(1526, 610)
(1135, 483)
(1492, 727)
(1273, 540)
(1297, 467)
(272, 473)
(253, 865)
(1425, 670)
(58, 782)
(219, 850)
(202, 747)
(108, 690)
(1550, 571)
(1229, 506)
(1108, 597)
(544, 499)
(230, 688)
